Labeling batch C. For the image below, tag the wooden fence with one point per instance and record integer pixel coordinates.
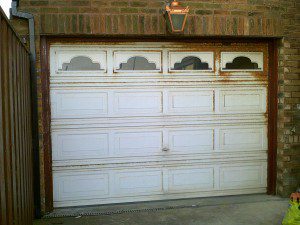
(16, 156)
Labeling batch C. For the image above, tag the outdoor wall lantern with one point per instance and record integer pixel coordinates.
(176, 16)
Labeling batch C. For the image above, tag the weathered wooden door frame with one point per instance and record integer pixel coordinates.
(45, 113)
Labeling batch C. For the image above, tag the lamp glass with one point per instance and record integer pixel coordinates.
(177, 21)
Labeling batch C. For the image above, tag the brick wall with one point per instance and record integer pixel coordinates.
(260, 18)
(289, 97)
(207, 17)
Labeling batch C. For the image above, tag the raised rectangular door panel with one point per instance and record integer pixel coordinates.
(187, 141)
(78, 104)
(138, 182)
(190, 102)
(242, 176)
(243, 101)
(138, 143)
(79, 145)
(135, 103)
(80, 185)
(184, 179)
(243, 138)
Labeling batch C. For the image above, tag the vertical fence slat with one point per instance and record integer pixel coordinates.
(12, 121)
(21, 134)
(29, 137)
(16, 164)
(3, 214)
(24, 144)
(25, 140)
(6, 122)
(16, 144)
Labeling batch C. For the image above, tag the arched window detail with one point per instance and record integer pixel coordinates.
(147, 61)
(138, 63)
(240, 63)
(191, 63)
(81, 63)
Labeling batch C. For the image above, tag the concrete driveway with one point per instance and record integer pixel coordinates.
(230, 210)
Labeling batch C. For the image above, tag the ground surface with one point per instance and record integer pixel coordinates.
(232, 210)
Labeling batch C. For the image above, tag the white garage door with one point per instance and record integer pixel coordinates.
(152, 121)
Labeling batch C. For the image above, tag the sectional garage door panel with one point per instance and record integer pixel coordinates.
(110, 185)
(153, 121)
(87, 103)
(104, 144)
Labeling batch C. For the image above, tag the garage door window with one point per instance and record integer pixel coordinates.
(137, 61)
(81, 63)
(242, 61)
(191, 61)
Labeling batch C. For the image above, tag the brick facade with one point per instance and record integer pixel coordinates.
(216, 18)
(220, 17)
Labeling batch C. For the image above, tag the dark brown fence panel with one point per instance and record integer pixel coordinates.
(16, 157)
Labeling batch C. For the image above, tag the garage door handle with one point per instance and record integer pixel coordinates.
(165, 149)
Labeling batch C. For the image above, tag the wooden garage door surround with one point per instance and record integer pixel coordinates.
(268, 48)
